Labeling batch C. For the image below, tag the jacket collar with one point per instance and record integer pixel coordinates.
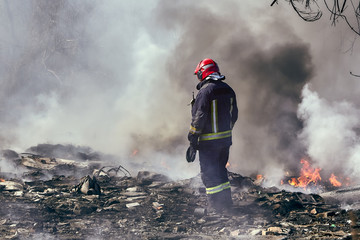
(212, 77)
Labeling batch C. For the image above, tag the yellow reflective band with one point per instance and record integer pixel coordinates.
(193, 130)
(213, 136)
(214, 120)
(218, 188)
(231, 109)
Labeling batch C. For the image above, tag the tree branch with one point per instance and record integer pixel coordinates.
(355, 75)
(275, 1)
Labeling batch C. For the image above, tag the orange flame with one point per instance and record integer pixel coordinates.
(227, 165)
(2, 180)
(333, 180)
(293, 182)
(259, 177)
(307, 175)
(134, 152)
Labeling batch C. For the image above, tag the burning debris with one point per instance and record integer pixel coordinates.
(109, 203)
(334, 181)
(308, 175)
(309, 179)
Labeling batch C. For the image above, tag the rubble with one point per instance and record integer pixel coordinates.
(115, 205)
(88, 186)
(11, 186)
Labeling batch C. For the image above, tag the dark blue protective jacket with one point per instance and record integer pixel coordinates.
(214, 114)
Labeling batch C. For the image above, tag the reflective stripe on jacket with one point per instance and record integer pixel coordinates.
(214, 112)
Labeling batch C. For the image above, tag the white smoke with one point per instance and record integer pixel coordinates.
(330, 133)
(117, 76)
(96, 76)
(7, 166)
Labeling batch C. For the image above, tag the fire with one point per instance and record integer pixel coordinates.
(310, 175)
(333, 180)
(259, 177)
(2, 180)
(307, 175)
(293, 182)
(134, 152)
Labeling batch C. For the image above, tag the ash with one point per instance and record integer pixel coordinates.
(109, 203)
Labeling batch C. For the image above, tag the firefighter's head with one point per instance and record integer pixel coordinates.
(205, 68)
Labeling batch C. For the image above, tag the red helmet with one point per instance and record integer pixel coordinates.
(205, 68)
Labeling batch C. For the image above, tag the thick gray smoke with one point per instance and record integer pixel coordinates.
(267, 79)
(117, 76)
(269, 60)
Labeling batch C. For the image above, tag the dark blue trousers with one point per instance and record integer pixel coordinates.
(214, 175)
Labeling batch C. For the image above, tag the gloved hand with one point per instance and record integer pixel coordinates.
(193, 139)
(191, 151)
(190, 154)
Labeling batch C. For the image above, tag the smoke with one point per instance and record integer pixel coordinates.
(331, 133)
(267, 79)
(116, 76)
(89, 74)
(8, 166)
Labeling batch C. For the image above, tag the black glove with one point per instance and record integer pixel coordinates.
(194, 140)
(190, 154)
(191, 151)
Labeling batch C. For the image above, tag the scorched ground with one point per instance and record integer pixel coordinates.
(44, 205)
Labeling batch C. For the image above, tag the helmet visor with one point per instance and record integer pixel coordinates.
(199, 75)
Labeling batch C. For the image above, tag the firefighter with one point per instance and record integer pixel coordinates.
(214, 113)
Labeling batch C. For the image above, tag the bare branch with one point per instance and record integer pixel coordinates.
(309, 11)
(335, 14)
(355, 75)
(275, 1)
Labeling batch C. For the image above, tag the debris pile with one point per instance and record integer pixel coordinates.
(114, 205)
